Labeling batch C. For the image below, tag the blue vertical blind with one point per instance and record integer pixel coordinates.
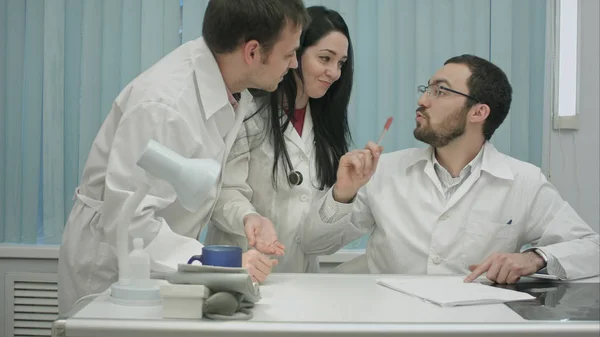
(62, 63)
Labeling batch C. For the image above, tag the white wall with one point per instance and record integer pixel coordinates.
(573, 159)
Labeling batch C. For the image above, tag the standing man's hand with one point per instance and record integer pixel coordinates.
(261, 235)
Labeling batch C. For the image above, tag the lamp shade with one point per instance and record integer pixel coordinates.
(192, 179)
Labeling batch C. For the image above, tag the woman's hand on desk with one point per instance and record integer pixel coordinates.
(505, 268)
(261, 235)
(259, 265)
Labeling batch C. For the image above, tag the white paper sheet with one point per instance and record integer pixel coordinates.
(452, 291)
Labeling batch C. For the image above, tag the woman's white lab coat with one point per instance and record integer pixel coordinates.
(248, 188)
(182, 103)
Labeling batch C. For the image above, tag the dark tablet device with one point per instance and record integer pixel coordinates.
(557, 301)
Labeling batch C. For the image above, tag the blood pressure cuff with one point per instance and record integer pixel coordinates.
(227, 306)
(233, 293)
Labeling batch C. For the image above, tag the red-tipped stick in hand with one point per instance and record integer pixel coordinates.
(385, 128)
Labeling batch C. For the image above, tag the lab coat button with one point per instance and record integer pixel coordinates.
(297, 239)
(444, 217)
(437, 260)
(303, 197)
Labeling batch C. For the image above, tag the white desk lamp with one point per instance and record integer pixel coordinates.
(192, 180)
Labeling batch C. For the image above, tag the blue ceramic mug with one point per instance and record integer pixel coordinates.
(222, 256)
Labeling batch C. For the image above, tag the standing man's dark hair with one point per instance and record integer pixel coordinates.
(490, 86)
(229, 23)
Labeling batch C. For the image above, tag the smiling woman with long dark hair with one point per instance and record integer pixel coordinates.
(288, 152)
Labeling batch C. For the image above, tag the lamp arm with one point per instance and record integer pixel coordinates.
(122, 222)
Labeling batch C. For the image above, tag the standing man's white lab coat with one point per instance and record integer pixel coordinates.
(503, 205)
(248, 189)
(182, 103)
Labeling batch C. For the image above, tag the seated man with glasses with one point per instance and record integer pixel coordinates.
(458, 206)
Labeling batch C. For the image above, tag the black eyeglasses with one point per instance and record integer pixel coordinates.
(436, 90)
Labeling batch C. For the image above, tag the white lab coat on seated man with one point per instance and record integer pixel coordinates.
(248, 189)
(182, 103)
(504, 204)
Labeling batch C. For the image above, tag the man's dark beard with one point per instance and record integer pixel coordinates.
(456, 122)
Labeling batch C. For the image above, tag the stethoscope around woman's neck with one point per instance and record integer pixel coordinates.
(295, 178)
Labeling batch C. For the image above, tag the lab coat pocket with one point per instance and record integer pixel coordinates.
(483, 238)
(485, 228)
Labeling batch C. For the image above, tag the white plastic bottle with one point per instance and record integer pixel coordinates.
(139, 264)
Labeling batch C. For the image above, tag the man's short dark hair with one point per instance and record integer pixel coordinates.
(230, 23)
(489, 84)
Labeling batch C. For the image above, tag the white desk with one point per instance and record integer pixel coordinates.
(321, 305)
